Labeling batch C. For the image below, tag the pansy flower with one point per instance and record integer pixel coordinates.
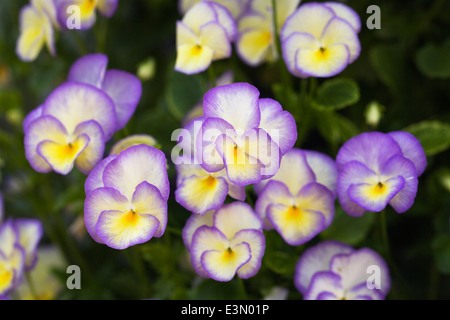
(233, 244)
(197, 189)
(37, 22)
(298, 202)
(204, 35)
(69, 129)
(126, 197)
(87, 10)
(320, 39)
(377, 169)
(255, 43)
(244, 134)
(333, 270)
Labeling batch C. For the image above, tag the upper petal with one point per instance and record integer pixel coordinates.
(236, 216)
(89, 69)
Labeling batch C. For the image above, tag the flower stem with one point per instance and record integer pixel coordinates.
(384, 233)
(31, 286)
(136, 262)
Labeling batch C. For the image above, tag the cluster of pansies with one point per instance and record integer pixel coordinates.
(19, 239)
(238, 142)
(40, 19)
(317, 39)
(72, 126)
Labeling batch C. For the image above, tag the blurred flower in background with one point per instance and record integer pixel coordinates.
(333, 270)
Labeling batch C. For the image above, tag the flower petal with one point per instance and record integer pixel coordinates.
(147, 200)
(345, 12)
(98, 201)
(135, 165)
(236, 216)
(318, 198)
(89, 69)
(107, 7)
(30, 233)
(194, 222)
(193, 59)
(236, 103)
(324, 285)
(95, 177)
(255, 239)
(125, 90)
(339, 31)
(290, 46)
(324, 168)
(93, 153)
(120, 230)
(412, 149)
(214, 36)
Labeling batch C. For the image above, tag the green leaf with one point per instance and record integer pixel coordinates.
(433, 135)
(348, 229)
(183, 93)
(441, 251)
(337, 94)
(335, 128)
(434, 60)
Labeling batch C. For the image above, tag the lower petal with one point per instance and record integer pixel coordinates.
(93, 153)
(253, 46)
(193, 59)
(223, 265)
(120, 230)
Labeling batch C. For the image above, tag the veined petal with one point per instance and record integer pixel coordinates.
(345, 12)
(223, 265)
(214, 36)
(73, 103)
(236, 216)
(62, 157)
(125, 90)
(318, 198)
(89, 69)
(295, 224)
(255, 239)
(375, 197)
(45, 128)
(324, 285)
(199, 194)
(98, 201)
(236, 103)
(279, 124)
(205, 239)
(95, 177)
(107, 7)
(135, 165)
(411, 149)
(275, 192)
(339, 31)
(120, 230)
(30, 233)
(147, 200)
(93, 153)
(185, 35)
(194, 222)
(193, 59)
(316, 259)
(242, 169)
(291, 44)
(310, 18)
(322, 62)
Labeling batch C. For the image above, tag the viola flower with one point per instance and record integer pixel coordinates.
(204, 35)
(320, 39)
(332, 270)
(197, 189)
(133, 140)
(87, 11)
(18, 244)
(377, 169)
(37, 22)
(236, 7)
(69, 129)
(126, 197)
(124, 88)
(255, 43)
(244, 134)
(234, 244)
(299, 200)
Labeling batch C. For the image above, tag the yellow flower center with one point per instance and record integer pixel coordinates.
(196, 50)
